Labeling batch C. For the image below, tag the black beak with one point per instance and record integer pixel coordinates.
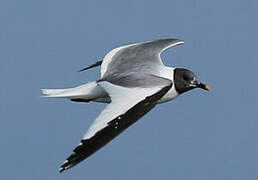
(204, 86)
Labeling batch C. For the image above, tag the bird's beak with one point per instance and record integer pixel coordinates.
(204, 86)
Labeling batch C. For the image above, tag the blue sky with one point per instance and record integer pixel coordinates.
(199, 135)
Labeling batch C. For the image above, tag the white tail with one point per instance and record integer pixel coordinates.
(89, 91)
(52, 92)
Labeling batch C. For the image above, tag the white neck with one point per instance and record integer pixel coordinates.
(168, 73)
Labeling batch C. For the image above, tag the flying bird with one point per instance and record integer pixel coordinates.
(133, 81)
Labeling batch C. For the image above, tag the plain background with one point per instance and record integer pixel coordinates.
(199, 135)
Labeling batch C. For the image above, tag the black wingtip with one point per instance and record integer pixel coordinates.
(64, 166)
(77, 156)
(98, 63)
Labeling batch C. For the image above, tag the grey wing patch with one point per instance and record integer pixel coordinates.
(89, 146)
(137, 80)
(139, 56)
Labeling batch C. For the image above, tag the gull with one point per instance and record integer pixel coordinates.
(133, 81)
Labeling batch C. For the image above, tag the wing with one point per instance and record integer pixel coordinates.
(127, 106)
(98, 63)
(141, 55)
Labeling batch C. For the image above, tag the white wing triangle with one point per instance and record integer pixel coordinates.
(127, 106)
(122, 100)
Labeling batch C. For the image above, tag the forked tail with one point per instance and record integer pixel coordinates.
(84, 93)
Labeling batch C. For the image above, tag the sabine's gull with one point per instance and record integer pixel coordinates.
(133, 81)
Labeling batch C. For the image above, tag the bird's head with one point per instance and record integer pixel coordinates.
(186, 80)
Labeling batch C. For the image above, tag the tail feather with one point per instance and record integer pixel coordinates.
(62, 93)
(87, 91)
(52, 92)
